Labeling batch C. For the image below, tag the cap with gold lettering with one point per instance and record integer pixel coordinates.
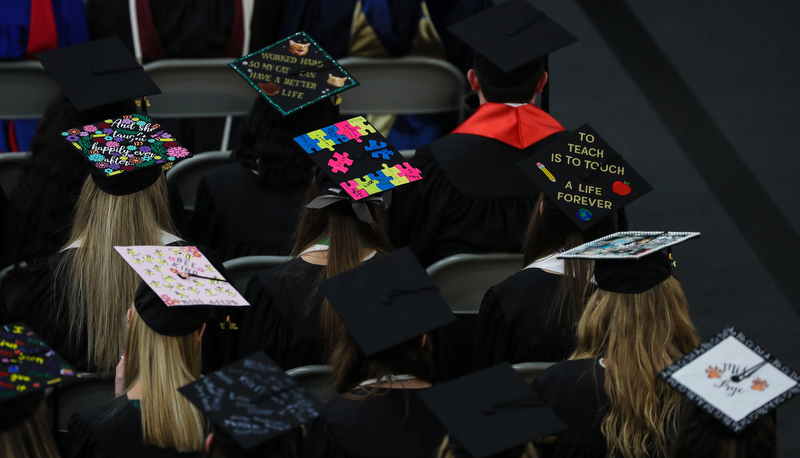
(293, 73)
(584, 177)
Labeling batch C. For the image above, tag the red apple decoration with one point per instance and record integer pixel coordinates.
(623, 189)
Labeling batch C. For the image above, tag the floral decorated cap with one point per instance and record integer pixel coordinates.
(127, 154)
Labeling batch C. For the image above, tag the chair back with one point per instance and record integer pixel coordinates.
(529, 371)
(186, 175)
(240, 270)
(10, 164)
(463, 279)
(80, 396)
(316, 379)
(25, 89)
(405, 85)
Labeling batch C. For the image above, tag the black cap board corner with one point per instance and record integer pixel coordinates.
(387, 301)
(584, 177)
(252, 400)
(97, 73)
(491, 411)
(293, 73)
(733, 379)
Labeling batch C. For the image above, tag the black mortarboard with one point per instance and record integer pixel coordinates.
(387, 301)
(127, 154)
(252, 400)
(293, 73)
(491, 410)
(584, 177)
(97, 73)
(27, 366)
(733, 379)
(510, 35)
(630, 262)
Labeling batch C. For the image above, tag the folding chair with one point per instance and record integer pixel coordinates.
(316, 379)
(80, 396)
(529, 371)
(10, 164)
(186, 175)
(240, 270)
(25, 89)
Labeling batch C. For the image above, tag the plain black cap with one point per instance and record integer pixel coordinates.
(632, 276)
(175, 321)
(97, 73)
(491, 410)
(387, 301)
(584, 177)
(27, 366)
(293, 73)
(512, 34)
(252, 401)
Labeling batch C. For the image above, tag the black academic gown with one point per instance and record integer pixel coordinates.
(114, 430)
(235, 216)
(283, 317)
(516, 322)
(396, 424)
(574, 390)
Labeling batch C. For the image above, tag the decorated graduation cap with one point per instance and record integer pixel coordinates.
(27, 366)
(511, 36)
(630, 262)
(251, 401)
(180, 285)
(491, 411)
(127, 154)
(733, 379)
(387, 301)
(293, 73)
(356, 163)
(584, 177)
(97, 73)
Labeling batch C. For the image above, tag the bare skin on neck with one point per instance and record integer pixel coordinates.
(320, 258)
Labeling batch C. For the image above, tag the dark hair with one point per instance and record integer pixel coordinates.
(549, 231)
(266, 144)
(31, 437)
(517, 86)
(46, 190)
(701, 436)
(224, 446)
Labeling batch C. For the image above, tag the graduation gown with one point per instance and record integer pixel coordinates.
(473, 198)
(114, 430)
(396, 424)
(236, 217)
(515, 322)
(283, 317)
(574, 390)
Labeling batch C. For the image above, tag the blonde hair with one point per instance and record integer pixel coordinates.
(444, 450)
(97, 283)
(638, 335)
(162, 364)
(30, 439)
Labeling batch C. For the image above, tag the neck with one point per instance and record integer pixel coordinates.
(136, 391)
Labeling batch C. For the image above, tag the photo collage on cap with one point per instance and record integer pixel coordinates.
(627, 245)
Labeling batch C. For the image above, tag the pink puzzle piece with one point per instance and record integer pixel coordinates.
(355, 128)
(354, 189)
(409, 172)
(340, 162)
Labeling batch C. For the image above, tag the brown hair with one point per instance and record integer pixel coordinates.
(550, 231)
(162, 364)
(347, 237)
(445, 452)
(30, 439)
(97, 283)
(638, 335)
(702, 436)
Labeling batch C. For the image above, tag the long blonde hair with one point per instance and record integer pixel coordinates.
(445, 452)
(97, 284)
(30, 439)
(162, 364)
(638, 335)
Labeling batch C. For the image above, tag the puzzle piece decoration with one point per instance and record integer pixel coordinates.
(354, 189)
(409, 172)
(340, 162)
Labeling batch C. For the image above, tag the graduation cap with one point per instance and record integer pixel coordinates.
(27, 366)
(733, 379)
(491, 410)
(356, 160)
(180, 286)
(127, 154)
(252, 400)
(387, 301)
(97, 73)
(630, 262)
(584, 177)
(293, 73)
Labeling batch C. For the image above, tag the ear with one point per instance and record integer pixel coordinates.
(472, 77)
(200, 332)
(424, 339)
(209, 439)
(128, 317)
(542, 82)
(541, 207)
